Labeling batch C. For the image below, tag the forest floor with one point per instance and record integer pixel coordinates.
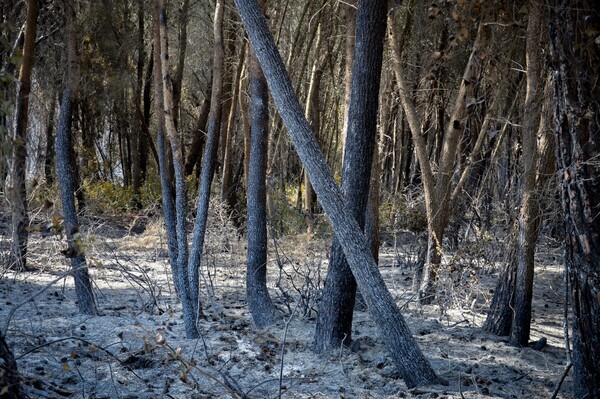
(137, 349)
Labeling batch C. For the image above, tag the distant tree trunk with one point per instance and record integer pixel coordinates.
(404, 350)
(228, 187)
(49, 155)
(257, 294)
(10, 384)
(312, 115)
(66, 171)
(576, 67)
(529, 218)
(334, 321)
(18, 191)
(178, 77)
(191, 308)
(146, 139)
(350, 40)
(137, 131)
(210, 153)
(195, 151)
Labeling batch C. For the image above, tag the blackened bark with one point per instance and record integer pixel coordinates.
(334, 322)
(9, 374)
(259, 302)
(403, 349)
(210, 154)
(576, 67)
(67, 172)
(500, 316)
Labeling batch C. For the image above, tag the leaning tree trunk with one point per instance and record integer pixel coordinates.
(334, 321)
(66, 172)
(576, 67)
(259, 302)
(404, 350)
(18, 192)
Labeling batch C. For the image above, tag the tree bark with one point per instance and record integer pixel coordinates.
(404, 350)
(190, 307)
(576, 67)
(259, 302)
(210, 153)
(17, 193)
(334, 321)
(529, 214)
(66, 171)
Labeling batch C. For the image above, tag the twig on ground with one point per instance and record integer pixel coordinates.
(287, 326)
(562, 379)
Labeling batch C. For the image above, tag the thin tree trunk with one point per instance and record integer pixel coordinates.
(259, 302)
(178, 77)
(191, 308)
(17, 194)
(66, 172)
(49, 154)
(210, 153)
(228, 191)
(194, 153)
(529, 214)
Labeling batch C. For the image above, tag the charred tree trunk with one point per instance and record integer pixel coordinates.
(66, 172)
(257, 294)
(334, 322)
(576, 67)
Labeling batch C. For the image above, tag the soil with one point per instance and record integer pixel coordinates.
(137, 349)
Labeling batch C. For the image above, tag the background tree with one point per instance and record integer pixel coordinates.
(17, 192)
(257, 294)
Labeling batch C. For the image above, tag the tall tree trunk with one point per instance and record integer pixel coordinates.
(312, 115)
(194, 153)
(191, 308)
(17, 193)
(210, 153)
(159, 109)
(404, 350)
(576, 67)
(228, 189)
(334, 321)
(259, 302)
(66, 171)
(529, 214)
